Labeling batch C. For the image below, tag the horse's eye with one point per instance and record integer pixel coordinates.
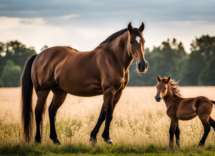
(165, 88)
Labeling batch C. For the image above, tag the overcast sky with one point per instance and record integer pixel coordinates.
(83, 24)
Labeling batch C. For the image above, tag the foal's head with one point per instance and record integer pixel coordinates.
(162, 87)
(135, 47)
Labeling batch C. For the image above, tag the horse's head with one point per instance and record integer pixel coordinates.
(162, 87)
(135, 47)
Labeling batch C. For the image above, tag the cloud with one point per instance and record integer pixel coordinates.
(84, 24)
(36, 32)
(70, 16)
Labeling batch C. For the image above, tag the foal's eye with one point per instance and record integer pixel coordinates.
(165, 88)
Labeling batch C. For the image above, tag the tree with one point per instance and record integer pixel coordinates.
(18, 52)
(205, 45)
(44, 47)
(202, 51)
(1, 83)
(207, 75)
(11, 74)
(163, 60)
(192, 68)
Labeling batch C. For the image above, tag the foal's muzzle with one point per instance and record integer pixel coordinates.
(158, 98)
(142, 66)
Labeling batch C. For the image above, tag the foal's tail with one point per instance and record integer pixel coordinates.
(213, 102)
(26, 102)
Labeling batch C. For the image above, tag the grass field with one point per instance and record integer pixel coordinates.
(140, 125)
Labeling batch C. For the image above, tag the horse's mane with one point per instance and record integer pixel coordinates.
(119, 33)
(175, 87)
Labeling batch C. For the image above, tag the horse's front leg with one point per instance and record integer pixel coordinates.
(102, 117)
(108, 103)
(98, 125)
(174, 122)
(177, 135)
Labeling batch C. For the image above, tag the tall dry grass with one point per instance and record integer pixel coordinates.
(137, 119)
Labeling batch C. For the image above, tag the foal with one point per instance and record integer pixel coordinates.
(179, 108)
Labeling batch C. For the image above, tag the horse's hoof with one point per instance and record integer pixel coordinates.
(108, 141)
(178, 145)
(37, 141)
(93, 141)
(201, 145)
(56, 141)
(171, 145)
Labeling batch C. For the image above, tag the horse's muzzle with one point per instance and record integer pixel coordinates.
(142, 66)
(158, 98)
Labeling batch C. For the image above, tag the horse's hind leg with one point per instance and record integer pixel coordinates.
(207, 128)
(204, 111)
(58, 99)
(42, 95)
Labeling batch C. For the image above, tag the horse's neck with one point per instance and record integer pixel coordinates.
(171, 98)
(120, 50)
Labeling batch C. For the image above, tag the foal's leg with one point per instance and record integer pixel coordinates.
(177, 134)
(212, 123)
(204, 111)
(58, 99)
(102, 116)
(174, 123)
(207, 128)
(42, 95)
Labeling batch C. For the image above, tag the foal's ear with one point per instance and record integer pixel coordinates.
(141, 28)
(129, 27)
(168, 79)
(159, 79)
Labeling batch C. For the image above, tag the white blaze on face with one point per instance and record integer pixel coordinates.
(138, 39)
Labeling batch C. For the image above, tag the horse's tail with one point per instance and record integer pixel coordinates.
(213, 102)
(26, 102)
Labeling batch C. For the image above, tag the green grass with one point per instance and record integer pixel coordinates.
(115, 150)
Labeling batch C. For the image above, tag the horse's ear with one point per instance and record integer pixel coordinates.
(141, 28)
(168, 79)
(159, 79)
(129, 27)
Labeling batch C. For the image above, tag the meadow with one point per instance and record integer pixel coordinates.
(140, 125)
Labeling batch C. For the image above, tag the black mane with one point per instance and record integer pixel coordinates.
(119, 33)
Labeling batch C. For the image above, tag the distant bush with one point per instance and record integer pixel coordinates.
(11, 74)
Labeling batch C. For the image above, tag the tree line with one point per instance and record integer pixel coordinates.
(194, 69)
(170, 58)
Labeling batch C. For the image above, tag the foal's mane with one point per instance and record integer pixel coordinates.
(119, 33)
(175, 87)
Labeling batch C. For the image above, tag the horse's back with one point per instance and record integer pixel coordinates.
(45, 63)
(190, 107)
(70, 69)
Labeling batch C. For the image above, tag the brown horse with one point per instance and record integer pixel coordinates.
(63, 70)
(179, 108)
